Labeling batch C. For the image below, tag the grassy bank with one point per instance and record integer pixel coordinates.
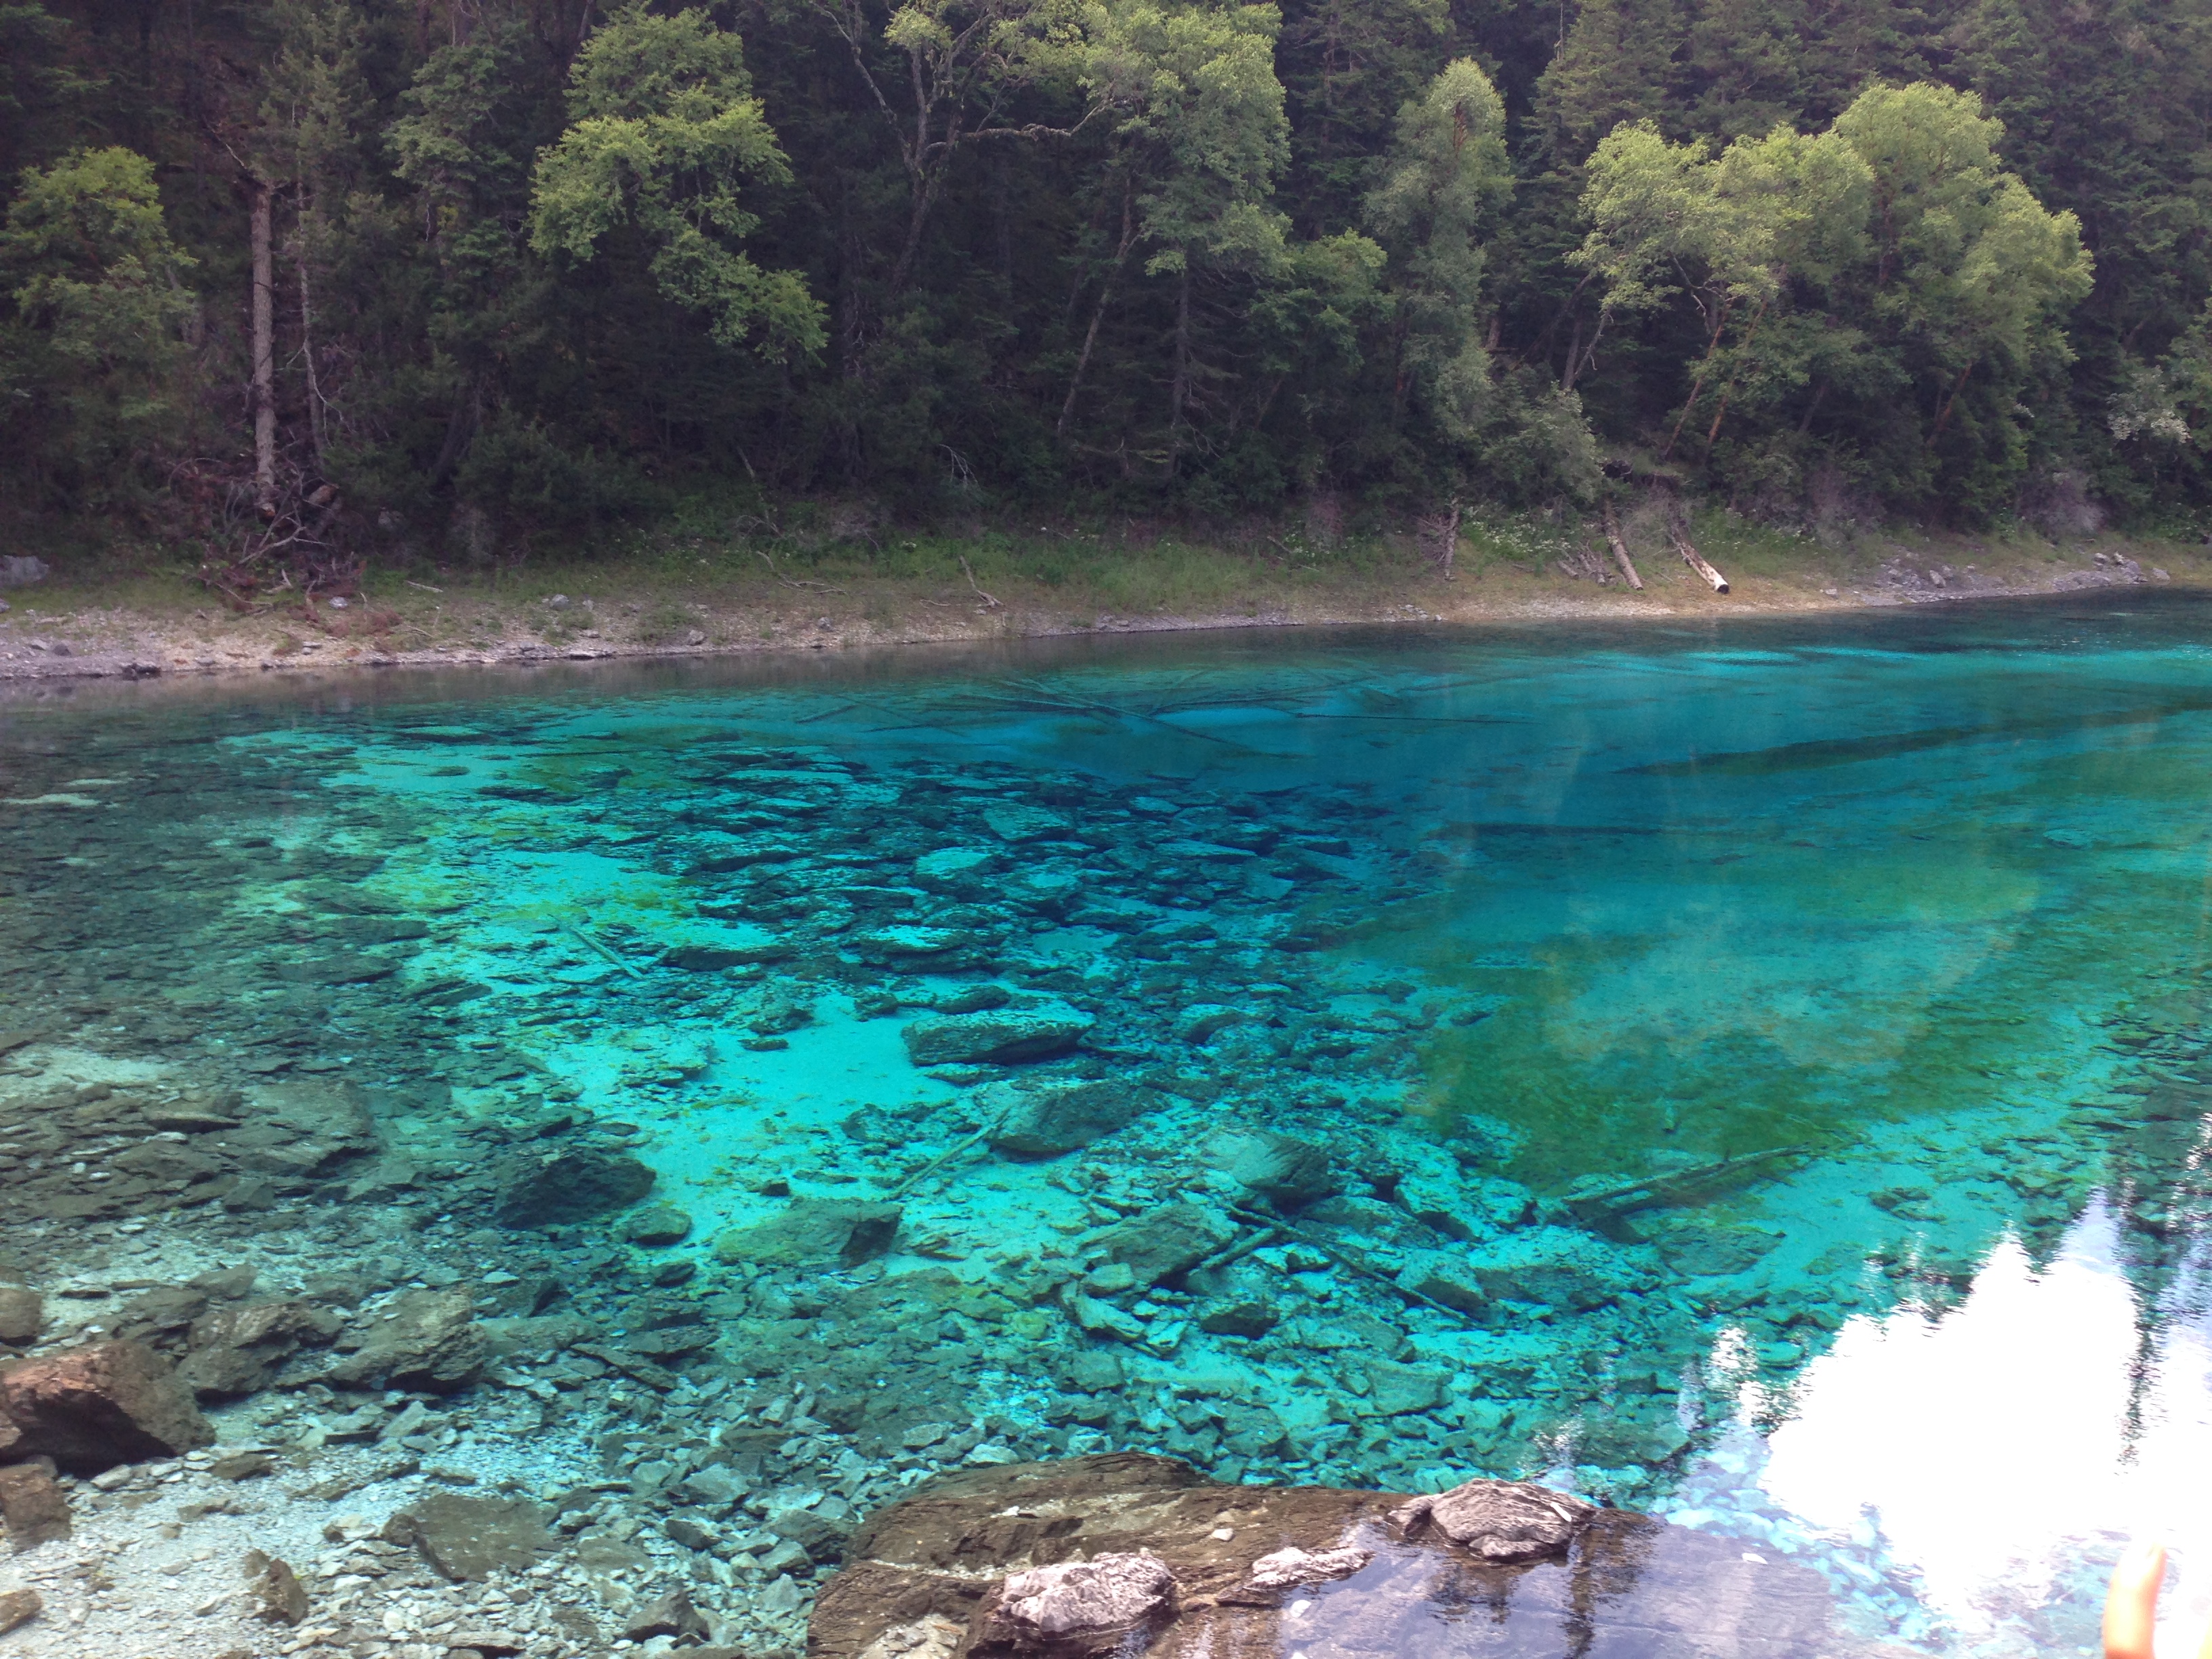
(690, 589)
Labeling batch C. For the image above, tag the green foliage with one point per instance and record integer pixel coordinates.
(664, 131)
(92, 360)
(539, 268)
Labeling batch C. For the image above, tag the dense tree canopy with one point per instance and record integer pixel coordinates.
(508, 271)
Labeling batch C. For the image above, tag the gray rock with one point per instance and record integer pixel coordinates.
(238, 1351)
(823, 1537)
(1109, 1604)
(1502, 1521)
(1048, 1119)
(717, 1485)
(468, 1539)
(33, 1509)
(1095, 1371)
(671, 1615)
(22, 1315)
(814, 1232)
(22, 569)
(92, 1407)
(563, 1186)
(426, 1340)
(1162, 1242)
(1033, 1030)
(658, 1224)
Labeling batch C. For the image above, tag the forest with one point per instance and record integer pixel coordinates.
(509, 272)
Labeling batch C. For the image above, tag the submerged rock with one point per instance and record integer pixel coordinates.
(1047, 1119)
(1287, 1172)
(22, 1315)
(814, 1232)
(658, 1224)
(1165, 1242)
(1035, 1030)
(568, 1186)
(33, 1509)
(426, 1340)
(238, 1351)
(1559, 1266)
(468, 1538)
(90, 1408)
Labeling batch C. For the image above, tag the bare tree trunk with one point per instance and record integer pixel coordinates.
(1574, 351)
(315, 430)
(1943, 415)
(265, 355)
(1105, 293)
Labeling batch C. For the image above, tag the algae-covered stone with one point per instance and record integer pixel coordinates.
(1245, 1317)
(813, 1233)
(1556, 1265)
(1162, 1242)
(239, 1351)
(569, 1186)
(1035, 1030)
(1050, 1119)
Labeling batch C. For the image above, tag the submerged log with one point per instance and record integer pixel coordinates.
(1620, 548)
(1594, 1205)
(1692, 558)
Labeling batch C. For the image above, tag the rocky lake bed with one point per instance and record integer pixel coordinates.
(517, 1179)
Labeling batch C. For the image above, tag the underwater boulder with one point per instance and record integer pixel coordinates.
(1052, 1118)
(658, 1224)
(554, 1189)
(22, 1315)
(814, 1232)
(1018, 1031)
(466, 1540)
(1500, 1521)
(1289, 1173)
(955, 869)
(426, 1340)
(1079, 1609)
(1163, 1242)
(238, 1351)
(92, 1407)
(1557, 1266)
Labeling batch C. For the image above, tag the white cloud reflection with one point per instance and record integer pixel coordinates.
(1991, 1445)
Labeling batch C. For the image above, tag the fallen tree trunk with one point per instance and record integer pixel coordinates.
(1692, 558)
(1620, 548)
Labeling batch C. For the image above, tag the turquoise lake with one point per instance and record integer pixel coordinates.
(1755, 1074)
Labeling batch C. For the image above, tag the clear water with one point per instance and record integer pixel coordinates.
(1900, 922)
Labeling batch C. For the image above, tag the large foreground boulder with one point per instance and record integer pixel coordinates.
(1134, 1555)
(92, 1407)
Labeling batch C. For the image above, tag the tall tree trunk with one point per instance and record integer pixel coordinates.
(1943, 415)
(1105, 293)
(315, 411)
(1728, 391)
(1697, 385)
(1574, 352)
(265, 355)
(1179, 388)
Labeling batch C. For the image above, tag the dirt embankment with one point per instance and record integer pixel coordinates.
(58, 628)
